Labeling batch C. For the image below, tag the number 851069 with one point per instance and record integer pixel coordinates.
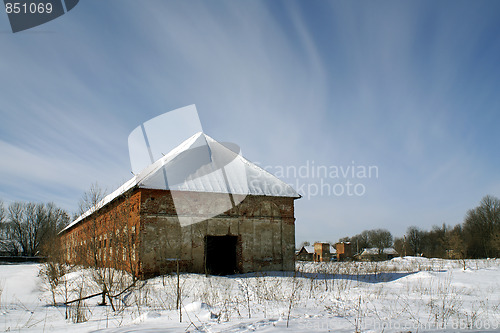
(31, 8)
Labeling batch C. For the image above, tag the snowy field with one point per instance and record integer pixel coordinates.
(402, 295)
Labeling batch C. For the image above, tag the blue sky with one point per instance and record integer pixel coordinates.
(411, 87)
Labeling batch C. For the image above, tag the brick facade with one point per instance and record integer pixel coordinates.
(140, 232)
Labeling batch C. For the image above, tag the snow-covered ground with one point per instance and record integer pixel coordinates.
(402, 295)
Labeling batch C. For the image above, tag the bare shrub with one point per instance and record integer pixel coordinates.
(294, 295)
(78, 312)
(1, 291)
(52, 273)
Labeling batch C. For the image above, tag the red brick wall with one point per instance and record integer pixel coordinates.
(108, 237)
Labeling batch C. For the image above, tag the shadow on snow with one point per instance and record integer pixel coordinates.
(366, 277)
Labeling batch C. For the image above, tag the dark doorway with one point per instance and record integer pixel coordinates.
(220, 255)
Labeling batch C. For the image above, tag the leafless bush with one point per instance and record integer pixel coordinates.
(52, 273)
(218, 293)
(79, 312)
(247, 294)
(294, 295)
(1, 291)
(445, 301)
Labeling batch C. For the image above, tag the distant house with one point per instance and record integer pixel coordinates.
(305, 253)
(344, 251)
(320, 252)
(373, 254)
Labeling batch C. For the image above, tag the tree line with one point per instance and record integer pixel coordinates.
(376, 238)
(28, 228)
(477, 237)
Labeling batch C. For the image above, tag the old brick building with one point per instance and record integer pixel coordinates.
(344, 251)
(221, 217)
(322, 252)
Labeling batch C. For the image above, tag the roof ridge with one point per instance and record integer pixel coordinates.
(213, 183)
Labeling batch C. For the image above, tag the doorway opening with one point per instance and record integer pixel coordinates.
(220, 255)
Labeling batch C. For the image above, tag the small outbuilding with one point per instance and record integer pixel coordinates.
(375, 254)
(319, 252)
(305, 253)
(322, 252)
(344, 251)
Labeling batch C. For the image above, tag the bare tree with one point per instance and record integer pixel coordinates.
(7, 245)
(456, 245)
(3, 224)
(359, 241)
(380, 238)
(93, 251)
(54, 269)
(31, 225)
(400, 245)
(91, 198)
(55, 219)
(495, 241)
(108, 246)
(306, 243)
(16, 217)
(480, 226)
(2, 212)
(414, 239)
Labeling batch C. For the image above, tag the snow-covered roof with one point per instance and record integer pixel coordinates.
(374, 251)
(333, 249)
(201, 164)
(309, 248)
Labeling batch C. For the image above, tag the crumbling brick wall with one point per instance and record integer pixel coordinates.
(140, 232)
(265, 227)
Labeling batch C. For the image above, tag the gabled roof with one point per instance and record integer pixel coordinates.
(309, 248)
(374, 251)
(332, 247)
(201, 164)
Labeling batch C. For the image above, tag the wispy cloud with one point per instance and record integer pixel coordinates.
(411, 87)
